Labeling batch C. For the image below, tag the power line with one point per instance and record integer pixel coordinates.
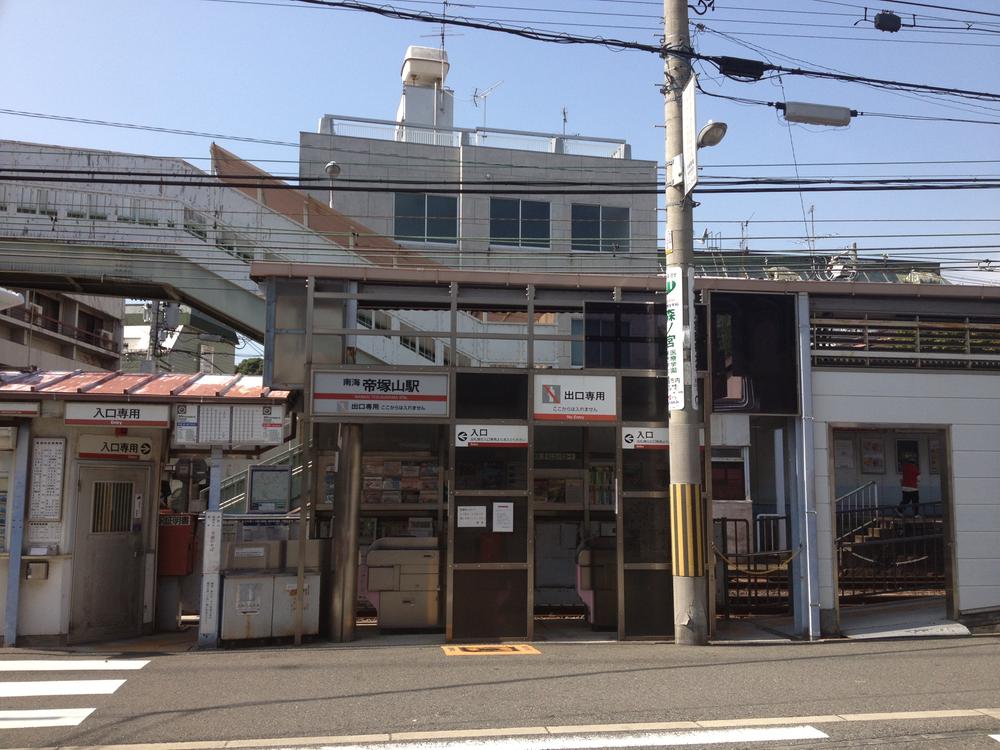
(720, 62)
(944, 7)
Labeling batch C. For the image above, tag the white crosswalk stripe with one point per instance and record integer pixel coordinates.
(44, 717)
(71, 665)
(59, 687)
(54, 716)
(995, 737)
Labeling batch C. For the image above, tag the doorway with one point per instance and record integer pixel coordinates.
(108, 558)
(891, 516)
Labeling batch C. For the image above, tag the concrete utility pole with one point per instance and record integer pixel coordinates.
(687, 514)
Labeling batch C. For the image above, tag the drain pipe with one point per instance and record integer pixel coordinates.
(807, 481)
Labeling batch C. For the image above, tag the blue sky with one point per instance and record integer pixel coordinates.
(269, 70)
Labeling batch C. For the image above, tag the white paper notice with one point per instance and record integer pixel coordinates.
(503, 517)
(471, 517)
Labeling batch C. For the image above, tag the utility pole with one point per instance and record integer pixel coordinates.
(687, 513)
(152, 363)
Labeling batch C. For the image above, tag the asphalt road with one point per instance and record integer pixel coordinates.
(327, 690)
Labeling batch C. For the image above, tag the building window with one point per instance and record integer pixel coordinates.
(426, 218)
(195, 224)
(517, 222)
(47, 312)
(462, 360)
(234, 244)
(98, 207)
(603, 228)
(576, 347)
(112, 509)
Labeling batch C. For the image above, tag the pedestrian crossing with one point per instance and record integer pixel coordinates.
(56, 716)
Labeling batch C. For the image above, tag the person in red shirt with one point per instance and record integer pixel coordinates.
(910, 484)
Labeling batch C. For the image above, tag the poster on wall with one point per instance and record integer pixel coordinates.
(872, 456)
(48, 455)
(934, 455)
(843, 454)
(471, 517)
(907, 452)
(503, 517)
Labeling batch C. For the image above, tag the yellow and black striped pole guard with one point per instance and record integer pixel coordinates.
(687, 530)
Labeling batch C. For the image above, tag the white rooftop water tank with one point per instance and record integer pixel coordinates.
(424, 66)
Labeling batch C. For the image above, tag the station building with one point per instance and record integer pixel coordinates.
(541, 481)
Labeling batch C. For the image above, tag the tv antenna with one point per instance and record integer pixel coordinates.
(480, 96)
(565, 115)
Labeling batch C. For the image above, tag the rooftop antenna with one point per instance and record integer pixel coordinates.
(565, 114)
(745, 236)
(480, 96)
(443, 33)
(811, 239)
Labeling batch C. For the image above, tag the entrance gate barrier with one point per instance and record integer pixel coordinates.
(752, 566)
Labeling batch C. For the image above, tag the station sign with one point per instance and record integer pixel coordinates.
(116, 448)
(358, 393)
(223, 424)
(579, 398)
(19, 408)
(117, 414)
(491, 436)
(644, 438)
(675, 338)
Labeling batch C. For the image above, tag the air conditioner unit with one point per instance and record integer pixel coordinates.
(34, 313)
(105, 336)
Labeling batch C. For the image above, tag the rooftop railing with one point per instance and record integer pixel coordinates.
(519, 140)
(943, 345)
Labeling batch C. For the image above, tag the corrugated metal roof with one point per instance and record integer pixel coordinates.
(131, 386)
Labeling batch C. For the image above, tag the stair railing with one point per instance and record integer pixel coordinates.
(856, 509)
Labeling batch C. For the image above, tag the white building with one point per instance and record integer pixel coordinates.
(476, 197)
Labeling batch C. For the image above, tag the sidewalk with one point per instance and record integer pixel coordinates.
(914, 618)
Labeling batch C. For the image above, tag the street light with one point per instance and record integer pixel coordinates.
(332, 170)
(712, 134)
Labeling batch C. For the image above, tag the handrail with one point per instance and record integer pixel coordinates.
(873, 484)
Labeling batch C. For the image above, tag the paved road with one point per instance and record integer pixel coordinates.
(564, 693)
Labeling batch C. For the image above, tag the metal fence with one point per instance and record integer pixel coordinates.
(905, 344)
(752, 565)
(891, 552)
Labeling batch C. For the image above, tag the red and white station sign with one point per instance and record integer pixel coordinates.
(491, 436)
(364, 393)
(126, 448)
(19, 408)
(117, 414)
(648, 438)
(582, 398)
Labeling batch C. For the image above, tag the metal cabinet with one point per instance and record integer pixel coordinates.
(404, 582)
(247, 605)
